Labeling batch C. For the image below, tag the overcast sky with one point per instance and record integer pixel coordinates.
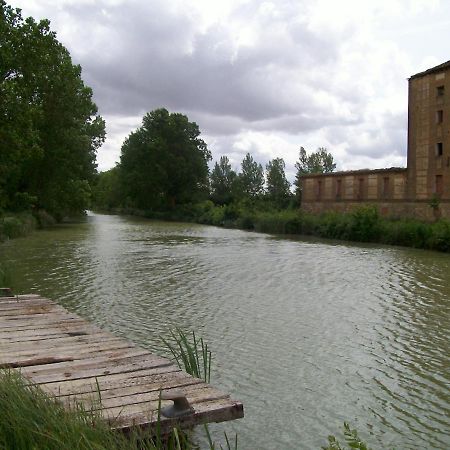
(264, 77)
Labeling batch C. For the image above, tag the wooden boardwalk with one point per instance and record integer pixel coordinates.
(72, 359)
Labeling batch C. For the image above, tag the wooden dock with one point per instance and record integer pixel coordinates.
(72, 360)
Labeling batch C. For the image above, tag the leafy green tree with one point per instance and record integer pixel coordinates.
(107, 192)
(221, 181)
(50, 129)
(320, 161)
(251, 178)
(164, 162)
(278, 187)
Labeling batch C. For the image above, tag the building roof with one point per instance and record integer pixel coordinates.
(434, 69)
(355, 172)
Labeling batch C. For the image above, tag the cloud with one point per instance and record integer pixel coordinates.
(256, 76)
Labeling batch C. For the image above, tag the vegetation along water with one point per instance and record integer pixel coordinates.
(308, 334)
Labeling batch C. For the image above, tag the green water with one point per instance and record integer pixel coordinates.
(306, 333)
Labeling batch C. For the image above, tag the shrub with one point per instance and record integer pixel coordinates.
(364, 224)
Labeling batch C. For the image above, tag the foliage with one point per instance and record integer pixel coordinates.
(164, 162)
(32, 420)
(16, 225)
(251, 178)
(278, 187)
(106, 191)
(50, 127)
(194, 357)
(5, 276)
(364, 224)
(320, 161)
(351, 438)
(222, 179)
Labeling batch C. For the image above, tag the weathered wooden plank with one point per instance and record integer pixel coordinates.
(69, 338)
(67, 354)
(107, 358)
(148, 362)
(35, 325)
(153, 383)
(108, 381)
(67, 344)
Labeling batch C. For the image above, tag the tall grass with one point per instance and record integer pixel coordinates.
(5, 276)
(30, 419)
(194, 357)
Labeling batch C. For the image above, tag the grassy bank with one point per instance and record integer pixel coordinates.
(361, 225)
(31, 420)
(14, 225)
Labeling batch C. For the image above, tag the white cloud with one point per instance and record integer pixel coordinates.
(256, 76)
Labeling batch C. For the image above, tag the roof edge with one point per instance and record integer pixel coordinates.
(434, 69)
(355, 172)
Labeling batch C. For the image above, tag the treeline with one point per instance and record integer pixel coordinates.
(49, 126)
(163, 172)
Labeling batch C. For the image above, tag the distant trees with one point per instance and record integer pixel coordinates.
(50, 129)
(164, 162)
(222, 179)
(278, 187)
(320, 161)
(251, 178)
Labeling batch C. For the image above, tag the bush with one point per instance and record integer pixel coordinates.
(364, 224)
(439, 238)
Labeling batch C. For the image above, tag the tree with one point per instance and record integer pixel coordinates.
(251, 178)
(164, 162)
(50, 129)
(221, 181)
(320, 161)
(277, 185)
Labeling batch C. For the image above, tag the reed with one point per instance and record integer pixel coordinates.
(194, 357)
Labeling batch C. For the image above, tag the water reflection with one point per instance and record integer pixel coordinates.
(306, 333)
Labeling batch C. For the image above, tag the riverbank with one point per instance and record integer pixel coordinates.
(361, 225)
(14, 225)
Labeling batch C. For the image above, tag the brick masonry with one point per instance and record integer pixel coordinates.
(400, 192)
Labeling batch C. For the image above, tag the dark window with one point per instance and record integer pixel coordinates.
(338, 188)
(439, 185)
(439, 149)
(319, 189)
(361, 188)
(439, 116)
(440, 90)
(386, 187)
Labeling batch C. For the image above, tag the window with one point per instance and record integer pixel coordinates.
(439, 149)
(440, 90)
(319, 189)
(439, 186)
(361, 188)
(338, 188)
(386, 187)
(439, 116)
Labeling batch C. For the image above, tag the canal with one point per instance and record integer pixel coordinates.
(307, 333)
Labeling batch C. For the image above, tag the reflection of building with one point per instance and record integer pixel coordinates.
(400, 192)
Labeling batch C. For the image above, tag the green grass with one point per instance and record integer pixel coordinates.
(194, 357)
(31, 420)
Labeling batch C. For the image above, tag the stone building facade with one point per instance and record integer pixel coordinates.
(420, 190)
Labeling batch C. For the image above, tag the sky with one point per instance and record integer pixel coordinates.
(264, 77)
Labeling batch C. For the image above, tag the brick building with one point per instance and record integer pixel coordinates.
(422, 189)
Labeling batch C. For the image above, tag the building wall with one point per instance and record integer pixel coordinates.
(429, 135)
(400, 192)
(357, 186)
